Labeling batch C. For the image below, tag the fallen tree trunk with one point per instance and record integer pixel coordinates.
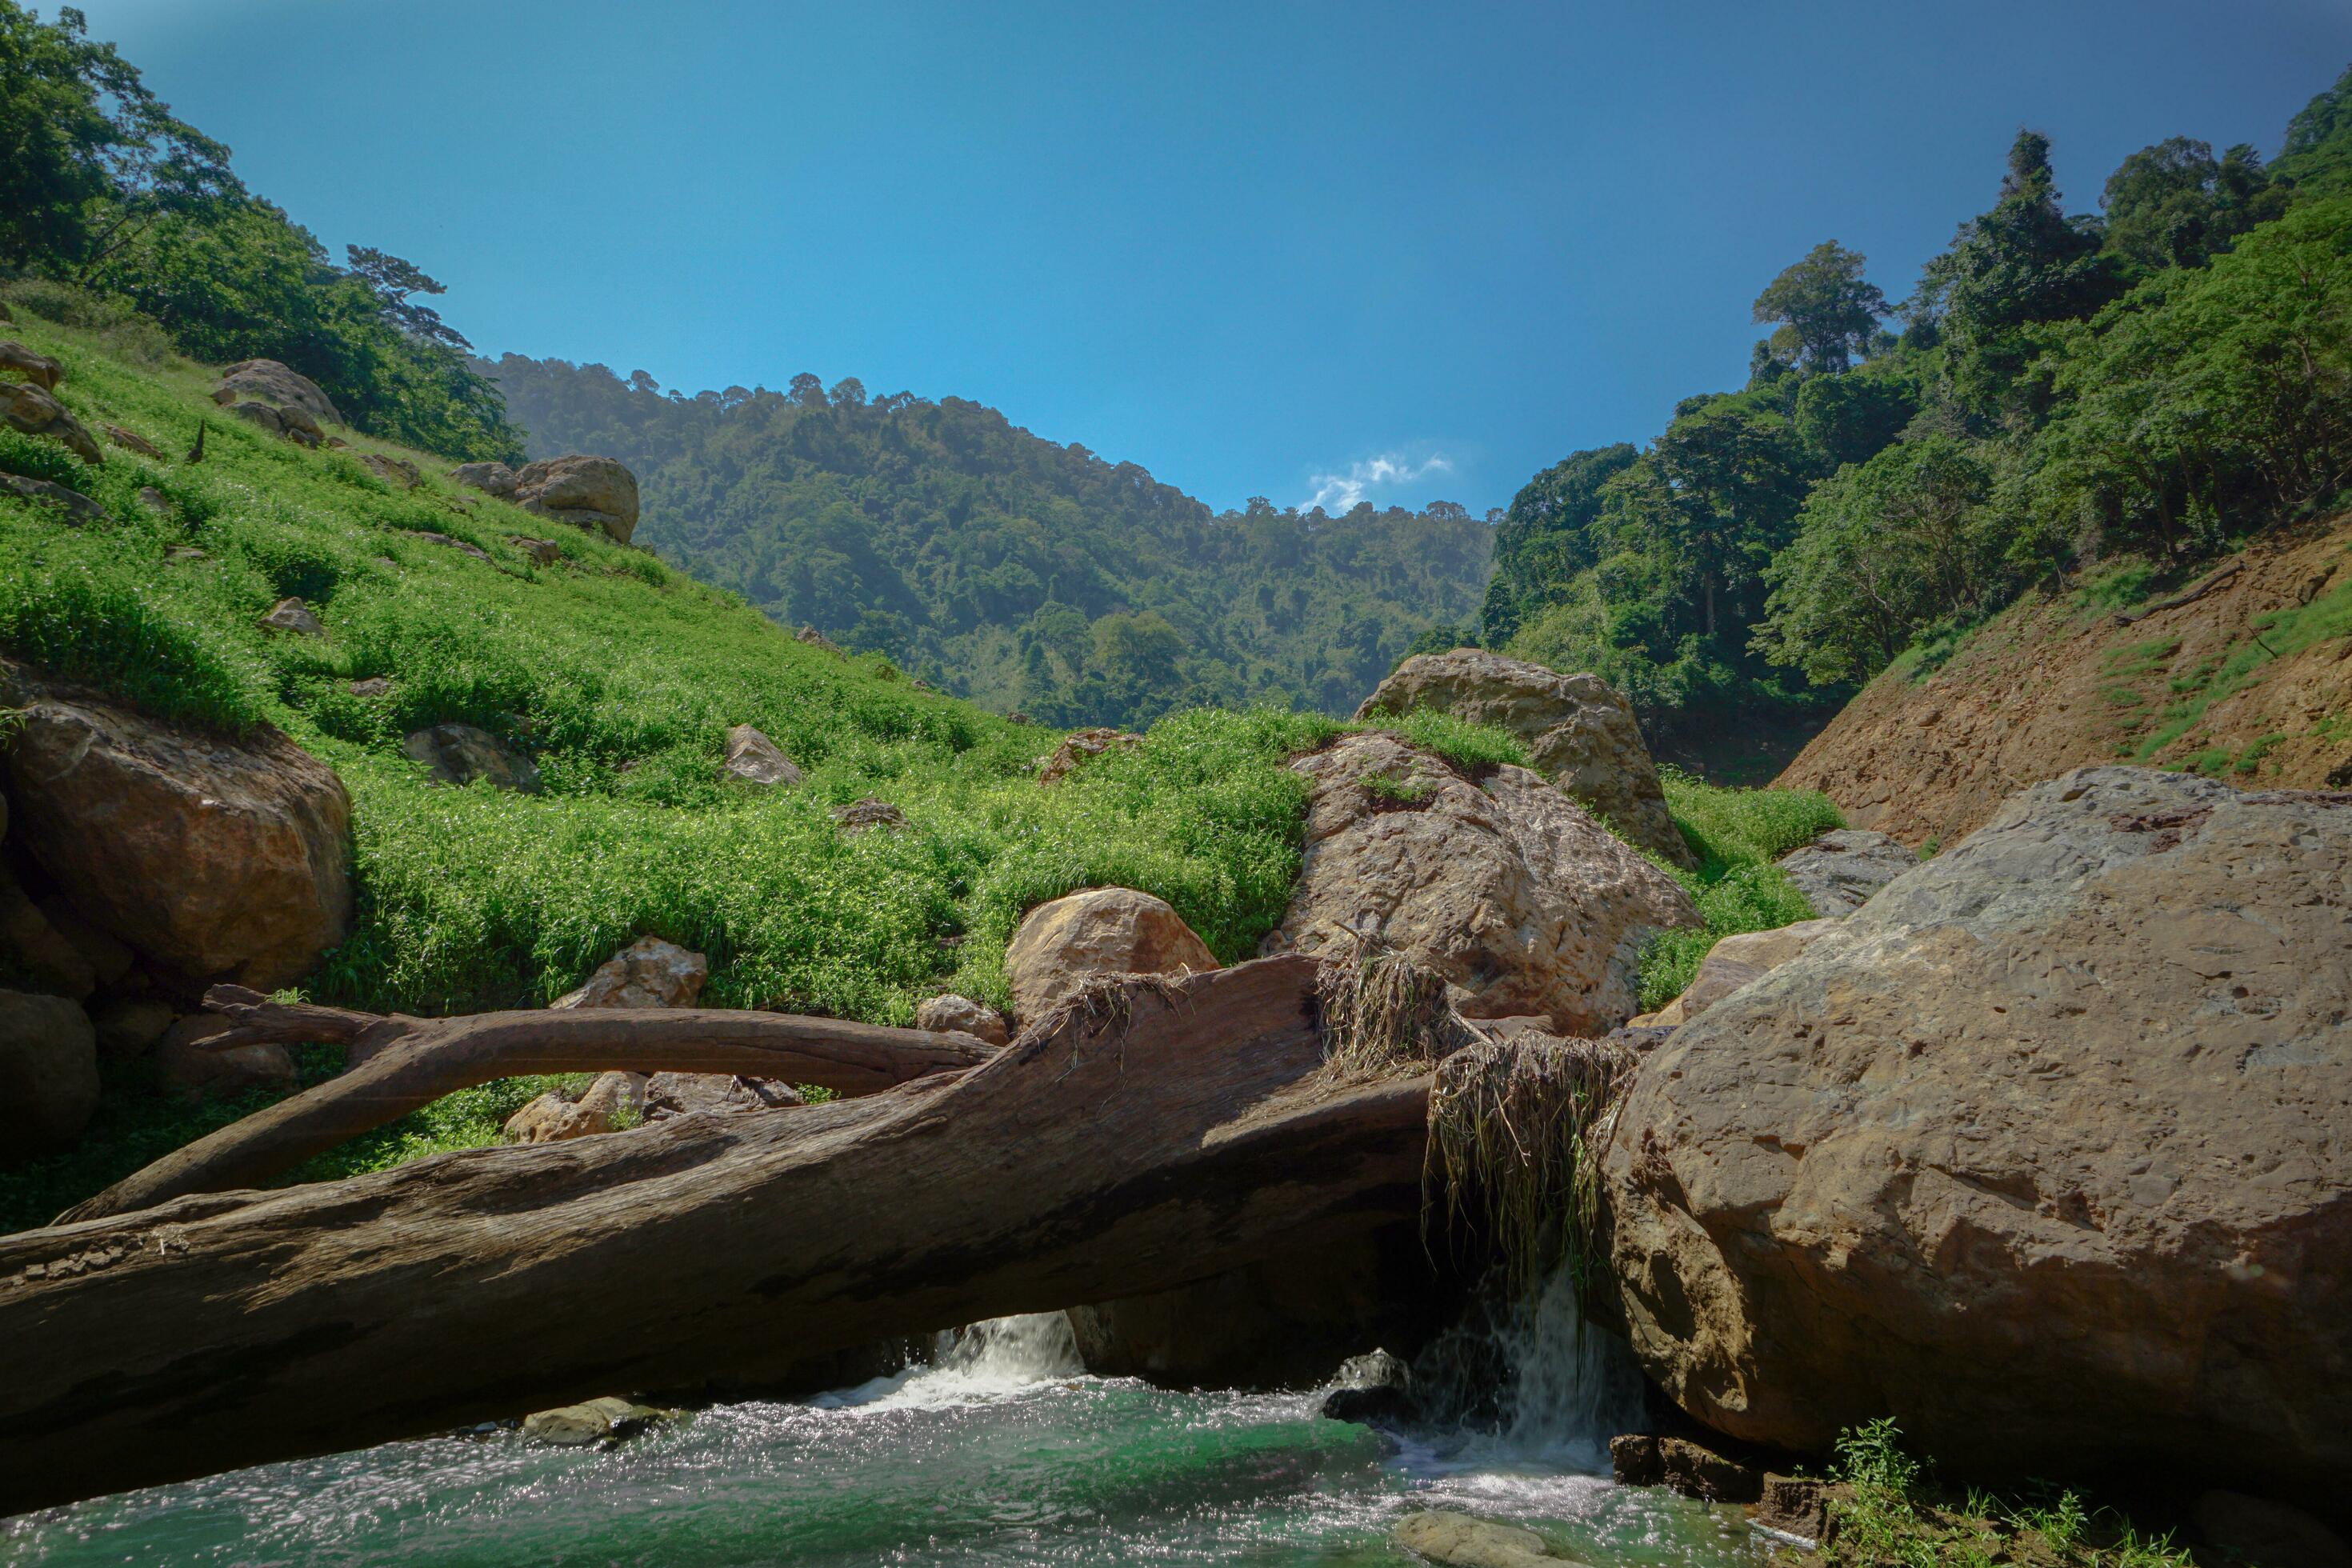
(402, 1063)
(1151, 1133)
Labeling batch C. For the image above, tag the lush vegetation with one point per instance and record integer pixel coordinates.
(2156, 381)
(619, 678)
(1889, 1512)
(102, 188)
(1737, 835)
(1025, 575)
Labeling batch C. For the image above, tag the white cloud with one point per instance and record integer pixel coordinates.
(1337, 492)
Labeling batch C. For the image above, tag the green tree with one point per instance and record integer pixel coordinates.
(87, 153)
(2011, 269)
(2208, 401)
(2174, 203)
(1546, 536)
(1826, 309)
(1851, 418)
(1883, 548)
(2316, 158)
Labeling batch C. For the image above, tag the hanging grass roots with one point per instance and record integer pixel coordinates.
(1515, 1132)
(1382, 1012)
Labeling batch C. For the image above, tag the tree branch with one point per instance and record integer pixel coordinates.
(402, 1063)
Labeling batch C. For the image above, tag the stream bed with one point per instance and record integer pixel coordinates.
(1000, 1451)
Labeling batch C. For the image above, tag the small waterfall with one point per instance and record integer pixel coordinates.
(1032, 1348)
(983, 1362)
(1526, 1378)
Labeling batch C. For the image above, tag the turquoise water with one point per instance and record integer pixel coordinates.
(1001, 1453)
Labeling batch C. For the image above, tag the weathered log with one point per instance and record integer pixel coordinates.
(404, 1063)
(1150, 1133)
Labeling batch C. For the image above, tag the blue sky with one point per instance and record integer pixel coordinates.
(1405, 252)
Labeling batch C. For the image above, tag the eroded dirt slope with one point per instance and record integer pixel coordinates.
(2252, 682)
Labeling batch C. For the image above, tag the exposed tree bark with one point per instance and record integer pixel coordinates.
(402, 1063)
(1151, 1133)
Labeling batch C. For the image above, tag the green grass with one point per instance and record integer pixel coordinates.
(1890, 1513)
(2117, 588)
(2273, 636)
(1737, 834)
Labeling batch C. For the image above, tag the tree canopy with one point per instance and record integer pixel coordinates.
(2167, 376)
(1028, 575)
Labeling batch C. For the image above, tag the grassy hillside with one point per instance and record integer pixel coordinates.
(619, 677)
(1025, 574)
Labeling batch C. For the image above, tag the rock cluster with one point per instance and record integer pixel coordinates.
(2040, 1151)
(1506, 888)
(1580, 734)
(648, 972)
(281, 401)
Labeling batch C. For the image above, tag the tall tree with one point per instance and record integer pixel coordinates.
(1826, 308)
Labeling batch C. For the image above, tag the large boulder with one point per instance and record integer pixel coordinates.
(76, 508)
(1062, 944)
(594, 493)
(1505, 887)
(284, 389)
(1840, 870)
(48, 1073)
(217, 859)
(1580, 734)
(30, 411)
(2042, 1152)
(460, 753)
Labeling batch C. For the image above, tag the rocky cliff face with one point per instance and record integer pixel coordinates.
(2252, 682)
(2041, 1151)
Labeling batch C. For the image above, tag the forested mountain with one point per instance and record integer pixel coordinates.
(138, 215)
(2159, 379)
(1025, 574)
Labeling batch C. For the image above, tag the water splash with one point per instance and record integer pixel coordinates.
(998, 1359)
